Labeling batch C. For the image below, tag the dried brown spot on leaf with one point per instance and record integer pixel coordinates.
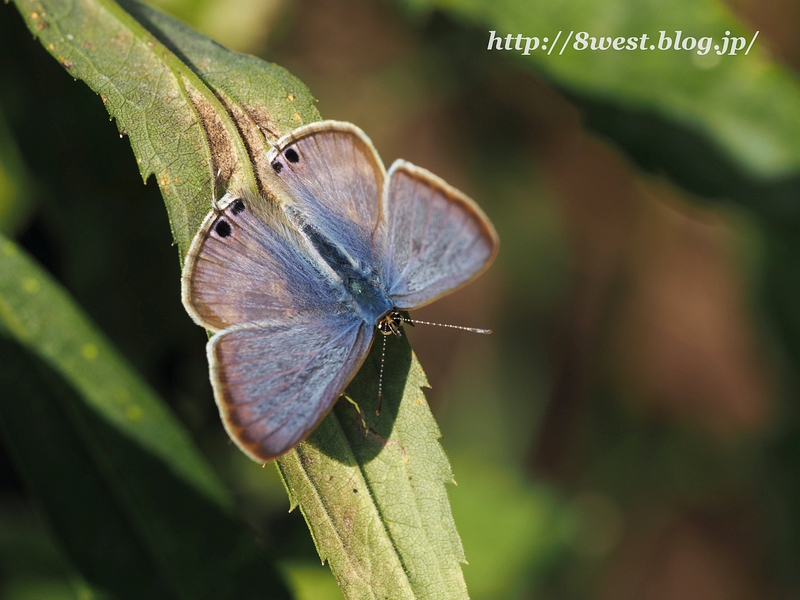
(263, 118)
(252, 137)
(223, 156)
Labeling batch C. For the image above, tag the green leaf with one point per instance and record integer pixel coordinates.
(748, 104)
(131, 500)
(375, 497)
(187, 130)
(41, 316)
(198, 114)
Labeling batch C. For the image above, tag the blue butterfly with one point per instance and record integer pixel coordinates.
(296, 286)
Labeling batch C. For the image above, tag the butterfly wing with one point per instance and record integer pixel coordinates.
(240, 270)
(336, 176)
(275, 381)
(437, 240)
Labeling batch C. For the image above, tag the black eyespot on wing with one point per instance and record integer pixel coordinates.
(277, 166)
(237, 207)
(291, 155)
(223, 229)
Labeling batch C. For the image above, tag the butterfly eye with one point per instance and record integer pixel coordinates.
(291, 155)
(223, 229)
(277, 166)
(237, 207)
(355, 286)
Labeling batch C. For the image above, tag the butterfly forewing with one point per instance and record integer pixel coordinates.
(336, 177)
(240, 270)
(274, 381)
(438, 239)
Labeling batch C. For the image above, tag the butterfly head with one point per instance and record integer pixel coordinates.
(390, 323)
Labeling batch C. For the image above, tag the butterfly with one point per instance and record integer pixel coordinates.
(296, 286)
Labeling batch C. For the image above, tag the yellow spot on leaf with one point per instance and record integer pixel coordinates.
(134, 412)
(297, 116)
(89, 351)
(290, 97)
(51, 46)
(9, 249)
(31, 285)
(34, 15)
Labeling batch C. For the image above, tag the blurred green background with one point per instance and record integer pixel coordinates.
(631, 430)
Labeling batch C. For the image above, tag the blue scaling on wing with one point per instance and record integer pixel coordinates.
(336, 177)
(241, 270)
(437, 238)
(274, 381)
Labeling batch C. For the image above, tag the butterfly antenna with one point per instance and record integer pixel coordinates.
(472, 329)
(380, 377)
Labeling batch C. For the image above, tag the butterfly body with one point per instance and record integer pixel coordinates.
(360, 285)
(296, 288)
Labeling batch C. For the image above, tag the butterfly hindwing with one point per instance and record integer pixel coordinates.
(437, 238)
(336, 178)
(241, 270)
(275, 381)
